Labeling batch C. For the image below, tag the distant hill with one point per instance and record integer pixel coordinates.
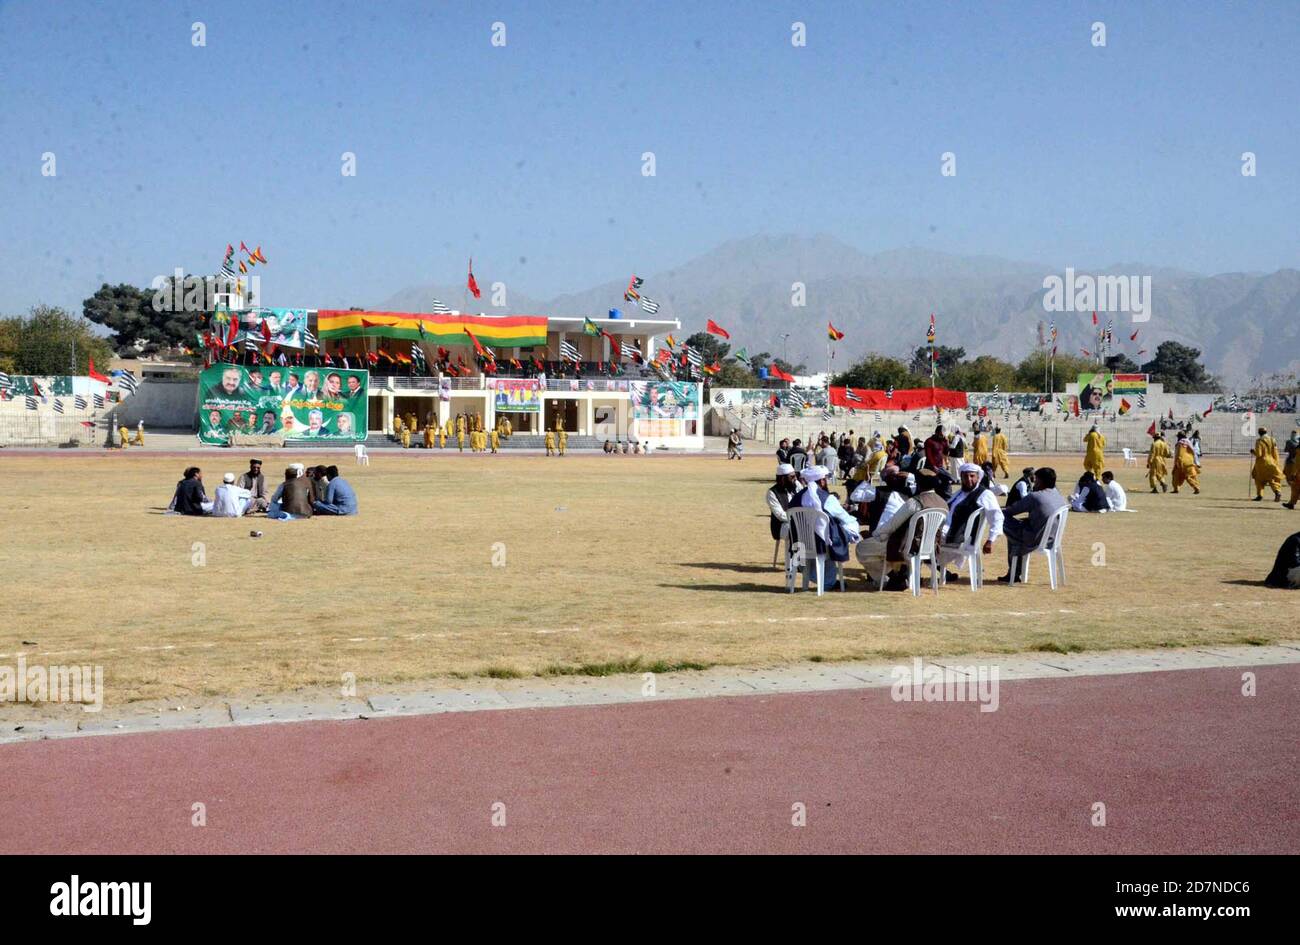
(1246, 324)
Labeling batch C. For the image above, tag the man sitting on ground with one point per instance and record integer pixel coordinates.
(255, 483)
(1089, 496)
(1037, 507)
(292, 498)
(1286, 567)
(1115, 493)
(230, 500)
(190, 499)
(340, 498)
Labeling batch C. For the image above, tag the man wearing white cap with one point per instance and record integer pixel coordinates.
(974, 498)
(783, 494)
(230, 500)
(841, 531)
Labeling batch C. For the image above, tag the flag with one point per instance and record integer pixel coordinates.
(613, 345)
(95, 375)
(99, 401)
(1134, 336)
(850, 396)
(630, 294)
(126, 380)
(742, 356)
(713, 328)
(283, 360)
(670, 341)
(1151, 430)
(403, 358)
(712, 369)
(1124, 406)
(250, 343)
(471, 284)
(439, 309)
(58, 405)
(1209, 411)
(309, 339)
(834, 333)
(649, 305)
(417, 355)
(1094, 319)
(889, 394)
(257, 254)
(79, 402)
(693, 356)
(1086, 352)
(631, 349)
(30, 403)
(5, 381)
(1142, 401)
(568, 352)
(482, 350)
(590, 328)
(234, 331)
(930, 335)
(775, 371)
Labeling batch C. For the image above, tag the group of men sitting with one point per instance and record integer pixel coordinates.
(305, 491)
(873, 521)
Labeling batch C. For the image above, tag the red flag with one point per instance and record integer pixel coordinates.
(242, 246)
(538, 361)
(95, 374)
(1208, 412)
(834, 333)
(234, 330)
(1134, 336)
(472, 285)
(613, 345)
(443, 353)
(372, 357)
(266, 332)
(1151, 430)
(1094, 318)
(1086, 352)
(478, 348)
(713, 328)
(779, 374)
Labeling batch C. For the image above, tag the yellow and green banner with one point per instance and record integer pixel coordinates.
(524, 331)
(296, 403)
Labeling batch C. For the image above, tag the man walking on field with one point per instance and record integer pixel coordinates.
(1158, 463)
(1094, 459)
(1267, 467)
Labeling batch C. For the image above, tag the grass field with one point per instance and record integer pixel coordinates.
(609, 564)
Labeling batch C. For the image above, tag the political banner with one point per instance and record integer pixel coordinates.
(517, 394)
(293, 402)
(664, 400)
(1102, 391)
(287, 326)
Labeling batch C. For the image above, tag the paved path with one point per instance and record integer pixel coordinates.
(1182, 761)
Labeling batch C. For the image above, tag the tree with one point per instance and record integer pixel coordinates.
(1031, 373)
(1179, 369)
(711, 347)
(983, 374)
(946, 359)
(875, 372)
(50, 341)
(143, 320)
(1122, 364)
(735, 374)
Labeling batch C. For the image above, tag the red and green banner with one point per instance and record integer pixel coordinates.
(524, 331)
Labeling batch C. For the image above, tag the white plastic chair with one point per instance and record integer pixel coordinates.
(928, 522)
(1128, 457)
(971, 549)
(1051, 546)
(784, 536)
(363, 458)
(799, 461)
(804, 524)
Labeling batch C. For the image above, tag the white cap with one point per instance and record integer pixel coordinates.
(969, 467)
(865, 492)
(813, 474)
(784, 469)
(228, 477)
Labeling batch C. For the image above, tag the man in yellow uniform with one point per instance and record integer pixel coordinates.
(550, 443)
(443, 432)
(876, 459)
(460, 432)
(1185, 470)
(1094, 459)
(139, 434)
(406, 437)
(496, 439)
(980, 449)
(1291, 471)
(506, 427)
(125, 434)
(1267, 468)
(1000, 445)
(563, 440)
(397, 426)
(428, 435)
(1158, 463)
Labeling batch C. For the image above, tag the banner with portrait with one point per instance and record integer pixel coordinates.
(296, 403)
(516, 394)
(1103, 390)
(664, 400)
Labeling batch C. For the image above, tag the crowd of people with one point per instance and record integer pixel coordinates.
(305, 491)
(887, 481)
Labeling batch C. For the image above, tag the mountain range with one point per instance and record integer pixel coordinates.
(1245, 324)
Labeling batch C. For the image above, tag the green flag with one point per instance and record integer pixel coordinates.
(590, 328)
(743, 357)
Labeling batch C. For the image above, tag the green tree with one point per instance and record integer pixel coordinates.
(983, 374)
(875, 372)
(1122, 364)
(947, 359)
(735, 374)
(1179, 369)
(50, 341)
(144, 320)
(1031, 373)
(711, 347)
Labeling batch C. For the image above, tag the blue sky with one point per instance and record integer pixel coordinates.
(528, 157)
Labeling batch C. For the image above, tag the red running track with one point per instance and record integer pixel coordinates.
(1182, 760)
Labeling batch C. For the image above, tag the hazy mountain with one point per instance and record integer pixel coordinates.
(1245, 323)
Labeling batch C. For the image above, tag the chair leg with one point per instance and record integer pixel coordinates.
(1051, 570)
(821, 575)
(1024, 569)
(775, 551)
(1060, 567)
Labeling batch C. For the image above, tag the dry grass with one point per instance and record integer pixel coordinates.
(611, 564)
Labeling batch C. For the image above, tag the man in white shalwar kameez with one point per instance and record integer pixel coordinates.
(230, 500)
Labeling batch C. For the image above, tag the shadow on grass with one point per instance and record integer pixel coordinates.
(1245, 582)
(740, 588)
(734, 566)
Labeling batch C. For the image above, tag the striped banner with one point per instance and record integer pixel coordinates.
(524, 331)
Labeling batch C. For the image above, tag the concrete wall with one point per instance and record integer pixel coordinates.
(161, 405)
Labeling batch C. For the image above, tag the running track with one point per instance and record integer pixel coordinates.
(1182, 760)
